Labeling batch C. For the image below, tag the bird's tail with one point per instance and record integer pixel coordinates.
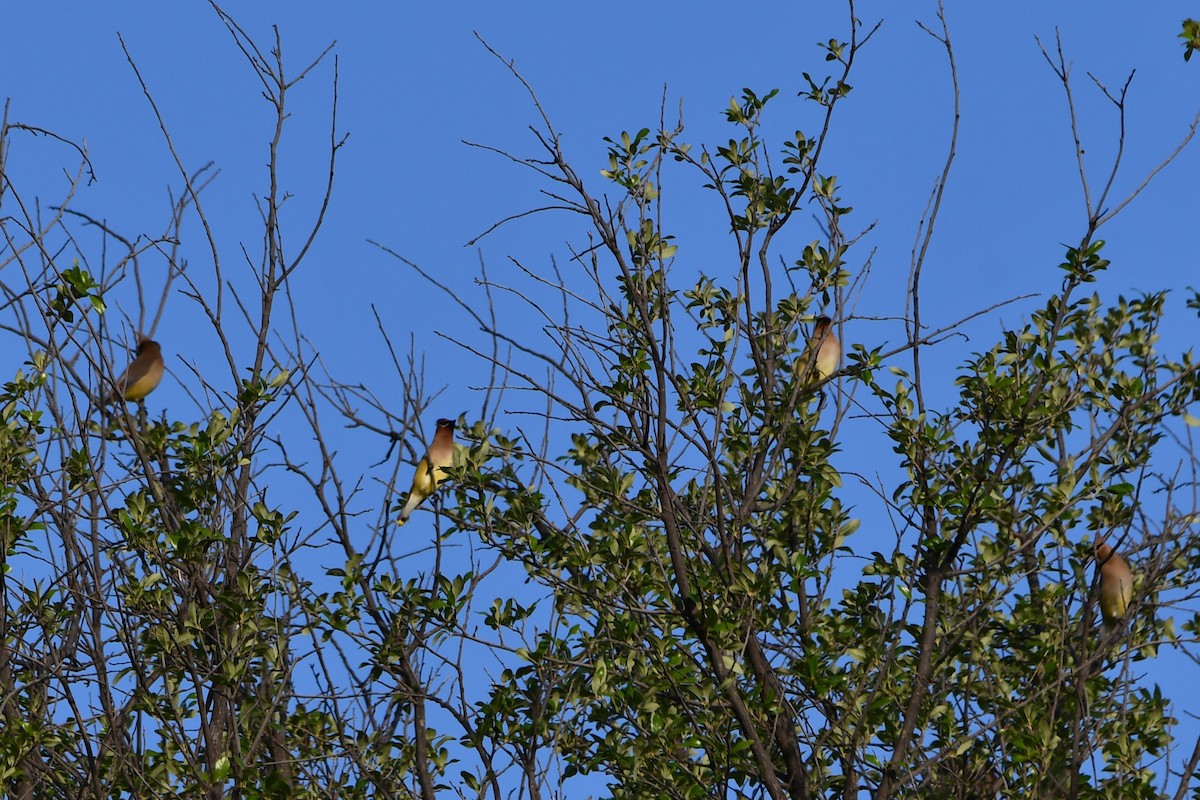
(413, 501)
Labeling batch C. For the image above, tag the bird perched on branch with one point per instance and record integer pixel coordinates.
(431, 469)
(1116, 585)
(822, 354)
(142, 375)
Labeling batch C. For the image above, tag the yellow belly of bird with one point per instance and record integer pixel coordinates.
(142, 386)
(1113, 604)
(426, 479)
(826, 364)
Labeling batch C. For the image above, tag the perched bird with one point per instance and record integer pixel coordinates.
(1116, 584)
(823, 353)
(432, 468)
(142, 375)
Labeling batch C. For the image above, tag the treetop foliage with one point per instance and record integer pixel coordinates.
(668, 557)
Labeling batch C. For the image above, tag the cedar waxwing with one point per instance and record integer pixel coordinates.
(828, 352)
(1116, 585)
(432, 468)
(141, 376)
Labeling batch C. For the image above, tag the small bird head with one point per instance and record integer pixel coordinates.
(445, 423)
(147, 345)
(821, 326)
(1103, 552)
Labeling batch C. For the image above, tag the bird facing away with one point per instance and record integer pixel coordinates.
(823, 353)
(432, 468)
(142, 375)
(1116, 584)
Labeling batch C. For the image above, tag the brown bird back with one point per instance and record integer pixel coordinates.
(142, 375)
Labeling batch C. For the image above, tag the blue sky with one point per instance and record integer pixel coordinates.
(415, 82)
